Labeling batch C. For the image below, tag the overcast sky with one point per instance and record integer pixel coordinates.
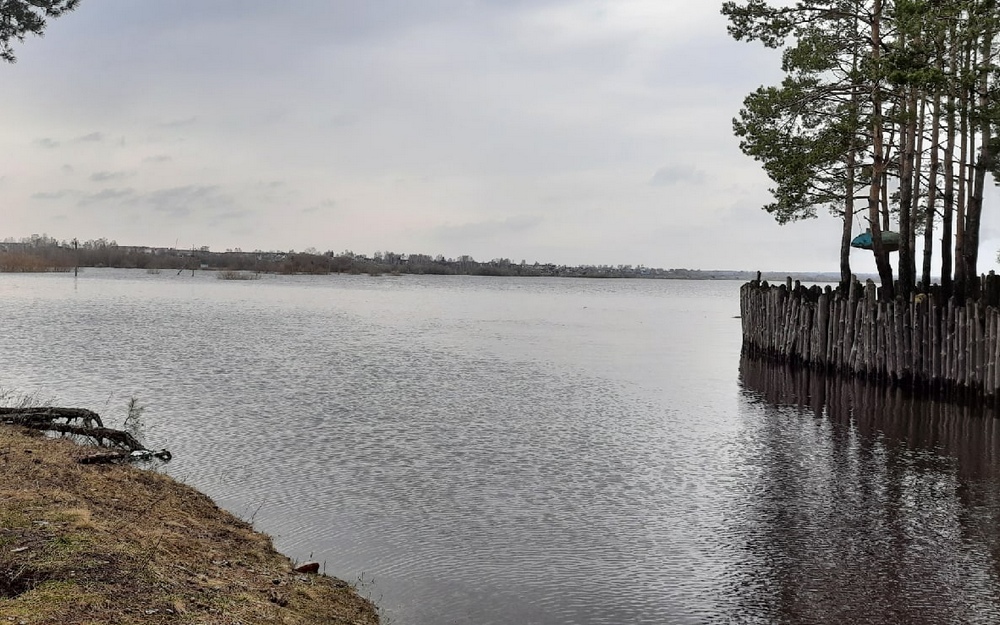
(567, 131)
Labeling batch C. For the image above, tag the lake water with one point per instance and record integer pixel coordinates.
(548, 451)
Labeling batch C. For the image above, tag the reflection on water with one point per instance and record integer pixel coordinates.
(490, 450)
(544, 451)
(864, 504)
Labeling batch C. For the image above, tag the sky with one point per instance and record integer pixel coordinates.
(565, 131)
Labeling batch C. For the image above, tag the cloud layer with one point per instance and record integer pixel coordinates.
(583, 131)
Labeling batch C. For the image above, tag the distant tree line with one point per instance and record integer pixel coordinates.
(44, 253)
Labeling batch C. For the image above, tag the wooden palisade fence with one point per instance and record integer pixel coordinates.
(925, 342)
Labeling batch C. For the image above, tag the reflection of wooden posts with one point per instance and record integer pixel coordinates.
(958, 429)
(76, 258)
(926, 341)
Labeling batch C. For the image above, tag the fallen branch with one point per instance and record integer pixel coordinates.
(21, 415)
(127, 447)
(113, 457)
(101, 436)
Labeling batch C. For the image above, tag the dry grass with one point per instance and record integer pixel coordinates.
(89, 544)
(237, 275)
(11, 262)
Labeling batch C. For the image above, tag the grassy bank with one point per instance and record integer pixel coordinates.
(115, 544)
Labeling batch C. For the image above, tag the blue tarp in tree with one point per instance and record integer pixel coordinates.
(890, 240)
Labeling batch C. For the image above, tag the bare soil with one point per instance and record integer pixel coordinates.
(97, 544)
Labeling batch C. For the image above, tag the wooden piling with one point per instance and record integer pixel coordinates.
(923, 341)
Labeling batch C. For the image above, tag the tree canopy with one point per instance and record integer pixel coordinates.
(20, 18)
(890, 103)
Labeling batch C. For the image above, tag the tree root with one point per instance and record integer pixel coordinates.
(113, 457)
(126, 447)
(22, 416)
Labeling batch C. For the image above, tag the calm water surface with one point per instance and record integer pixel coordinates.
(550, 451)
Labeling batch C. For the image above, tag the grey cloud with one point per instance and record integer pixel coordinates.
(275, 191)
(242, 231)
(52, 195)
(106, 195)
(468, 95)
(343, 120)
(180, 201)
(47, 142)
(94, 136)
(66, 169)
(677, 173)
(292, 29)
(484, 229)
(102, 176)
(321, 205)
(176, 123)
(236, 214)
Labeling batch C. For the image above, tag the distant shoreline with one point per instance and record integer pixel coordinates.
(42, 253)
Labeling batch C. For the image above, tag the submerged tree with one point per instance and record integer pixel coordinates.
(20, 18)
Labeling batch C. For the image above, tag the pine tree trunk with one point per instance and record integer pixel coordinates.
(974, 210)
(918, 163)
(964, 151)
(879, 164)
(948, 213)
(907, 136)
(935, 166)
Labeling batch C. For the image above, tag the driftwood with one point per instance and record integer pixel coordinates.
(113, 457)
(87, 424)
(105, 437)
(21, 416)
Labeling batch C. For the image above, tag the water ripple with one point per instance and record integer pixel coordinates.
(531, 451)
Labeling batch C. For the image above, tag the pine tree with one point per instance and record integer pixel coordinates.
(20, 18)
(881, 100)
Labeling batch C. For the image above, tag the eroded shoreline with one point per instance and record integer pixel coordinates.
(112, 543)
